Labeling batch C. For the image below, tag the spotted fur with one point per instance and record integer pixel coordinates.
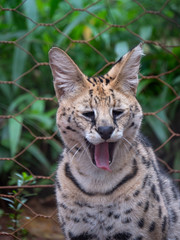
(129, 198)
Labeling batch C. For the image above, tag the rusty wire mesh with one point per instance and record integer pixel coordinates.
(34, 214)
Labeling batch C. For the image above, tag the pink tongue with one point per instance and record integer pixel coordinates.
(102, 156)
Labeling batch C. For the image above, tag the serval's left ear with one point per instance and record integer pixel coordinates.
(125, 71)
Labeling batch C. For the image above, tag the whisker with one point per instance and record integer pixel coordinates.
(81, 154)
(86, 149)
(76, 152)
(125, 146)
(133, 147)
(128, 142)
(73, 147)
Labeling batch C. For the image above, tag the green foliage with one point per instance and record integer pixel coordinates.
(14, 133)
(16, 202)
(32, 116)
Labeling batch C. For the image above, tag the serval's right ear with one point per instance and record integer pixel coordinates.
(125, 72)
(68, 78)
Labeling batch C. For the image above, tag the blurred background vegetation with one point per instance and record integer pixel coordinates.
(95, 34)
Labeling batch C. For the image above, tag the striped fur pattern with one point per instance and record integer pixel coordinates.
(108, 185)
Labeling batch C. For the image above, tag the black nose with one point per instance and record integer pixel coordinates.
(105, 131)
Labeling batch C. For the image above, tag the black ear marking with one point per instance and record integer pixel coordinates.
(101, 79)
(89, 80)
(107, 81)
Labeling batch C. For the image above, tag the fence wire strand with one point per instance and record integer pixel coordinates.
(52, 137)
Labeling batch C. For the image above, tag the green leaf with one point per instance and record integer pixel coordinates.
(43, 119)
(11, 228)
(31, 11)
(19, 60)
(7, 199)
(19, 101)
(76, 22)
(6, 166)
(20, 182)
(53, 7)
(56, 146)
(24, 200)
(39, 155)
(10, 35)
(51, 113)
(7, 93)
(121, 48)
(143, 84)
(34, 150)
(177, 165)
(26, 177)
(15, 129)
(38, 106)
(21, 203)
(19, 175)
(163, 116)
(158, 128)
(146, 32)
(77, 4)
(176, 80)
(12, 206)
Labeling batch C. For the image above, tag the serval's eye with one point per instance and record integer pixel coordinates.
(89, 115)
(117, 113)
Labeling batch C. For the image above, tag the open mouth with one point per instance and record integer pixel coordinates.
(102, 154)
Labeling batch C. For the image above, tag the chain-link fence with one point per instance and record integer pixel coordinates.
(30, 144)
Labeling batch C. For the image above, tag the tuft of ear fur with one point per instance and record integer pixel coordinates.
(68, 78)
(125, 71)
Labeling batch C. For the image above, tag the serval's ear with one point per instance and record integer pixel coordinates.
(125, 71)
(68, 78)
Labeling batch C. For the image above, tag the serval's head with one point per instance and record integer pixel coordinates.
(97, 114)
